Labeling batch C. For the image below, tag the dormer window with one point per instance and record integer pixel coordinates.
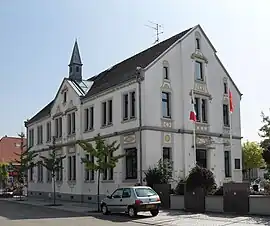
(225, 88)
(197, 43)
(199, 70)
(65, 97)
(166, 72)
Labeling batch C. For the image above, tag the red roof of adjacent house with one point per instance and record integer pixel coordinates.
(8, 147)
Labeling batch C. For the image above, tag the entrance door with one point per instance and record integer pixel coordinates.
(201, 158)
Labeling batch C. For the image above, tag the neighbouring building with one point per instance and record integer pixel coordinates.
(143, 103)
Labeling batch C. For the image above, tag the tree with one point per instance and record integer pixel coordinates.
(104, 155)
(23, 163)
(200, 177)
(159, 174)
(252, 155)
(53, 164)
(3, 175)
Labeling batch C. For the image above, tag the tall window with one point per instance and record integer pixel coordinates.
(197, 43)
(201, 158)
(31, 174)
(225, 87)
(166, 106)
(227, 164)
(65, 97)
(204, 111)
(197, 109)
(39, 172)
(88, 119)
(167, 154)
(49, 176)
(48, 131)
(199, 70)
(89, 174)
(58, 127)
(237, 164)
(39, 134)
(166, 72)
(226, 121)
(72, 167)
(131, 163)
(31, 138)
(59, 172)
(107, 113)
(71, 123)
(129, 105)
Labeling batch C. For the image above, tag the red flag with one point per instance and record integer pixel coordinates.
(231, 101)
(192, 114)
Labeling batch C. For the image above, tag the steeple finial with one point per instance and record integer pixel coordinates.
(75, 65)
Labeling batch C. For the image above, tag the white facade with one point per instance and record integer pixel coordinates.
(174, 133)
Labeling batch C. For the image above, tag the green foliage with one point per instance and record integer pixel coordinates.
(252, 155)
(3, 174)
(180, 188)
(159, 174)
(200, 178)
(104, 155)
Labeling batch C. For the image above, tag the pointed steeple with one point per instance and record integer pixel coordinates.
(75, 65)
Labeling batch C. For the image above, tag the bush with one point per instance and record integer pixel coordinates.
(201, 178)
(219, 191)
(180, 188)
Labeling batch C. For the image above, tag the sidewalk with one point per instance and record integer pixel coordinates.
(84, 208)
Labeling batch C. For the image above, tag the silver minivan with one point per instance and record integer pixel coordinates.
(132, 200)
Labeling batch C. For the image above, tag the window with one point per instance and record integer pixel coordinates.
(89, 174)
(225, 86)
(166, 72)
(197, 109)
(167, 155)
(204, 112)
(40, 172)
(77, 69)
(227, 164)
(70, 69)
(126, 193)
(65, 97)
(118, 193)
(31, 174)
(39, 135)
(72, 167)
(237, 164)
(145, 192)
(110, 170)
(129, 105)
(199, 70)
(88, 119)
(49, 176)
(48, 131)
(59, 172)
(201, 158)
(131, 163)
(58, 127)
(31, 138)
(71, 125)
(226, 121)
(107, 113)
(166, 111)
(197, 43)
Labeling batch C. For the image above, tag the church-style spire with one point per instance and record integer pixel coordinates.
(75, 65)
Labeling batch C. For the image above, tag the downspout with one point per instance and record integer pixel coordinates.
(139, 79)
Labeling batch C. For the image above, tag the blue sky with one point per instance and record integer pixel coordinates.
(37, 39)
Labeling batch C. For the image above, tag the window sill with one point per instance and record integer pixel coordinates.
(107, 181)
(71, 182)
(71, 135)
(40, 182)
(89, 130)
(166, 79)
(106, 126)
(129, 120)
(89, 181)
(59, 182)
(167, 118)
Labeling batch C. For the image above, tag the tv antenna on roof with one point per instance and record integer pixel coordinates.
(156, 27)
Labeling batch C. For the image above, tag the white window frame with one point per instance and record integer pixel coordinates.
(107, 122)
(71, 173)
(88, 113)
(129, 105)
(71, 123)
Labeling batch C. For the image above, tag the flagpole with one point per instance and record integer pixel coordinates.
(230, 112)
(194, 129)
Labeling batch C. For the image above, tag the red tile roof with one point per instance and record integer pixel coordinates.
(8, 147)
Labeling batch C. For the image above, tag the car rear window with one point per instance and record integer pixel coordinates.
(144, 192)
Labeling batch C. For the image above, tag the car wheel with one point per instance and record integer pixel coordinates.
(104, 209)
(154, 212)
(132, 212)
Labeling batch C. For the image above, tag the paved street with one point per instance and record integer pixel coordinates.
(12, 213)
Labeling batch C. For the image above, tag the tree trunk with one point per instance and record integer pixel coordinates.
(98, 190)
(54, 198)
(249, 173)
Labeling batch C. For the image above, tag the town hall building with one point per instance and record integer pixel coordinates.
(143, 103)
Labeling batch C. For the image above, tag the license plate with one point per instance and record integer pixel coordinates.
(150, 206)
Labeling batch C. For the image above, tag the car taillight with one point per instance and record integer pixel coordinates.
(158, 199)
(138, 202)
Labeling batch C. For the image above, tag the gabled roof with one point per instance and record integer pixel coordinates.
(125, 70)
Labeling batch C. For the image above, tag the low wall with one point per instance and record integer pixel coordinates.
(259, 204)
(177, 202)
(214, 204)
